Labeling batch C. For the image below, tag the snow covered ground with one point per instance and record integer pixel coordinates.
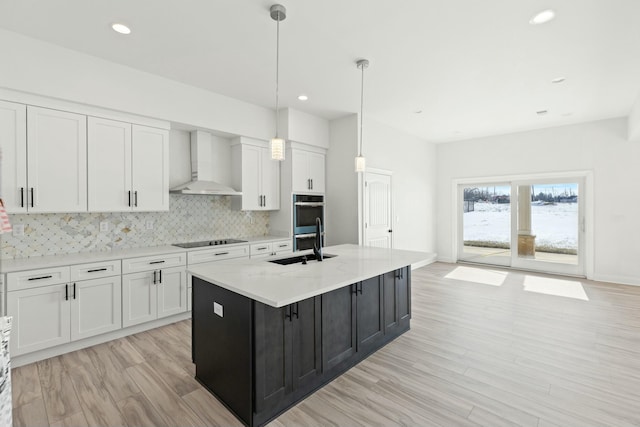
(553, 225)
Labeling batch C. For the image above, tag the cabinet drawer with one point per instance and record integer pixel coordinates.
(258, 249)
(282, 246)
(149, 263)
(95, 270)
(208, 255)
(35, 278)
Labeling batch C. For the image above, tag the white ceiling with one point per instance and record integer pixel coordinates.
(473, 68)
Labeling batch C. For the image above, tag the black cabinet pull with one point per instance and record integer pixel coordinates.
(135, 199)
(221, 253)
(311, 183)
(40, 278)
(354, 288)
(360, 288)
(129, 197)
(160, 271)
(31, 196)
(74, 291)
(66, 292)
(287, 314)
(262, 248)
(155, 272)
(22, 197)
(156, 262)
(295, 313)
(96, 270)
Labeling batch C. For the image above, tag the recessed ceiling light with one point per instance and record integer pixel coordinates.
(121, 28)
(558, 80)
(543, 17)
(542, 112)
(303, 97)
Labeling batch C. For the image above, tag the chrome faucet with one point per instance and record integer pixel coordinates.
(317, 246)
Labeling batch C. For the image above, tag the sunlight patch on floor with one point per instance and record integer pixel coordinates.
(557, 287)
(478, 275)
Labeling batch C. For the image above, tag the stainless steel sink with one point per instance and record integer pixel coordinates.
(299, 259)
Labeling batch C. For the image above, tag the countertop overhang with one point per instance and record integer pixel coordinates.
(279, 285)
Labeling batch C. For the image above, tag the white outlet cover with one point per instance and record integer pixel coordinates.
(104, 226)
(149, 225)
(218, 309)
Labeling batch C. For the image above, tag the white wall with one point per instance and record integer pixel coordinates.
(601, 147)
(342, 182)
(412, 162)
(33, 66)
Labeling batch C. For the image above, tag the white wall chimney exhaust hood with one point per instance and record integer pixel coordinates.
(202, 181)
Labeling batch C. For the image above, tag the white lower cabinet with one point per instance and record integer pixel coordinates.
(53, 314)
(150, 295)
(264, 250)
(41, 318)
(96, 307)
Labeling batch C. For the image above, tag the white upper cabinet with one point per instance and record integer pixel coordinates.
(128, 167)
(13, 143)
(109, 165)
(56, 161)
(256, 175)
(150, 166)
(307, 171)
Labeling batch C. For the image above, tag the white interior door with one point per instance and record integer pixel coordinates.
(377, 217)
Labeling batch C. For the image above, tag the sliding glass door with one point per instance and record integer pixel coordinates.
(529, 224)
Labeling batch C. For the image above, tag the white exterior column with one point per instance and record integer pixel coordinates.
(524, 210)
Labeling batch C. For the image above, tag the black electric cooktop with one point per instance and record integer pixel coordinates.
(208, 243)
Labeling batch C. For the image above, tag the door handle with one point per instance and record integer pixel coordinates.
(360, 288)
(129, 197)
(155, 279)
(135, 199)
(22, 197)
(32, 202)
(74, 291)
(287, 314)
(390, 231)
(160, 271)
(312, 183)
(66, 292)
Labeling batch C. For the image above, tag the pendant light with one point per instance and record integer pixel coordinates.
(278, 13)
(360, 160)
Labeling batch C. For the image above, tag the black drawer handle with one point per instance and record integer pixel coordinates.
(156, 262)
(283, 246)
(22, 197)
(96, 270)
(40, 278)
(66, 292)
(263, 248)
(222, 253)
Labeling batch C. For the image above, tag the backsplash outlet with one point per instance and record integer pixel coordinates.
(190, 218)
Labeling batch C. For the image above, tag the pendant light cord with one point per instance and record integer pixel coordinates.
(277, 72)
(361, 109)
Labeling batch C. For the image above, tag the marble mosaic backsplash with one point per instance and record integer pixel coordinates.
(190, 218)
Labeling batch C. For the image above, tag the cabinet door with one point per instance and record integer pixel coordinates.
(96, 306)
(316, 172)
(273, 379)
(251, 177)
(109, 165)
(370, 313)
(150, 168)
(301, 181)
(139, 298)
(404, 296)
(390, 301)
(172, 291)
(56, 160)
(338, 326)
(306, 343)
(270, 181)
(40, 318)
(13, 147)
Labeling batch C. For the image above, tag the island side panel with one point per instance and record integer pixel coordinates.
(223, 351)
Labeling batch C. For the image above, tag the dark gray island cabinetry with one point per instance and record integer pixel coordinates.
(260, 359)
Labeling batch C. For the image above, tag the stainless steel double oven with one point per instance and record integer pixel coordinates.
(306, 208)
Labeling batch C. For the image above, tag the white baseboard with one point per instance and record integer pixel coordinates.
(622, 280)
(25, 359)
(447, 260)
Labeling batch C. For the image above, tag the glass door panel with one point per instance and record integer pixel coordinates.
(485, 232)
(548, 230)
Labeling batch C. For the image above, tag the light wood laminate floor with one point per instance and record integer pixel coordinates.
(487, 347)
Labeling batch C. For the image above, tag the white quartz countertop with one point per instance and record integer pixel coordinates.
(33, 263)
(278, 285)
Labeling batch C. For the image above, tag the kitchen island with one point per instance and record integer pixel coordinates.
(267, 335)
